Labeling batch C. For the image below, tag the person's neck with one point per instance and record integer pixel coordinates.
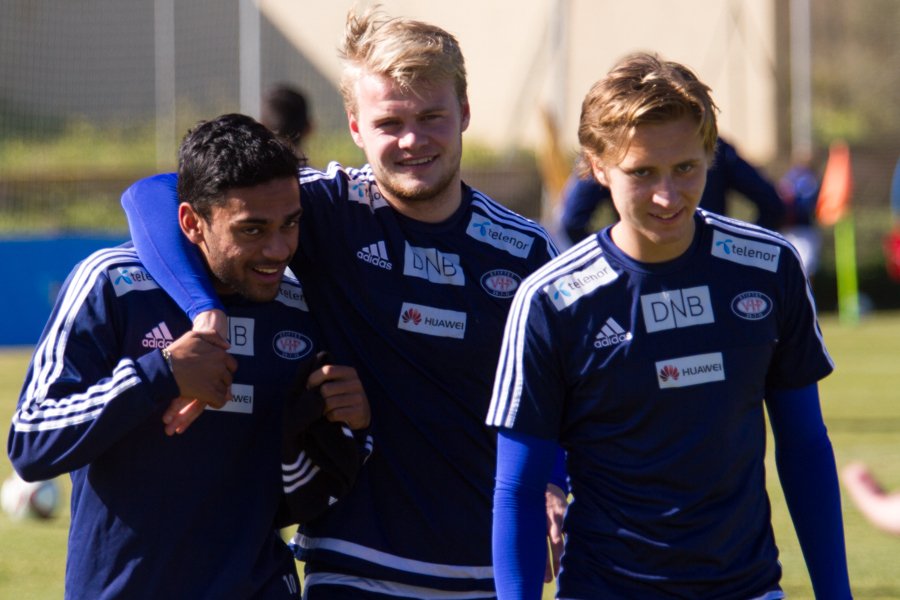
(642, 250)
(223, 290)
(433, 210)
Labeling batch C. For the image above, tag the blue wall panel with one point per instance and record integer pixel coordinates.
(32, 269)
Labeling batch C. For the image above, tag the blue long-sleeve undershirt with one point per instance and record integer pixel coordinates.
(806, 468)
(524, 464)
(151, 207)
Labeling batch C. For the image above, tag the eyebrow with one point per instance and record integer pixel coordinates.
(258, 221)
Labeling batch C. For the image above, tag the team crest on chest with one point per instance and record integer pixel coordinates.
(500, 283)
(291, 345)
(751, 306)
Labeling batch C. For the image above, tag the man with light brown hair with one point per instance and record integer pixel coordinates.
(652, 352)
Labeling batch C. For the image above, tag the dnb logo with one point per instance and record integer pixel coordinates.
(752, 306)
(291, 345)
(500, 283)
(673, 309)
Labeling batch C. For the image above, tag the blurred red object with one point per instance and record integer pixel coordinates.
(892, 254)
(837, 186)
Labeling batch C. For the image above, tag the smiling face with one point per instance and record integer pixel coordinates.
(413, 142)
(249, 238)
(656, 187)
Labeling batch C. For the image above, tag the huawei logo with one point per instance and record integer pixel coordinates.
(412, 316)
(668, 372)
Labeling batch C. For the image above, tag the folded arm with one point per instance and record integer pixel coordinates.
(80, 395)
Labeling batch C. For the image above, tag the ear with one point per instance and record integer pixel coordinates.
(191, 223)
(599, 172)
(353, 122)
(466, 113)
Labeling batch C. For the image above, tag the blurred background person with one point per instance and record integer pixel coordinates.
(286, 112)
(880, 507)
(799, 190)
(892, 239)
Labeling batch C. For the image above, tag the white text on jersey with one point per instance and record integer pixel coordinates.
(567, 289)
(690, 370)
(240, 335)
(746, 252)
(375, 254)
(129, 279)
(433, 265)
(432, 321)
(677, 308)
(509, 240)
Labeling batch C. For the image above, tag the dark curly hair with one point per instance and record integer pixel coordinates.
(227, 152)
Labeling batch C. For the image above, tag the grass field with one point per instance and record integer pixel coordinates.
(861, 401)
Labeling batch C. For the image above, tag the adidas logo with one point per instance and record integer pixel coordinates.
(375, 254)
(158, 337)
(611, 334)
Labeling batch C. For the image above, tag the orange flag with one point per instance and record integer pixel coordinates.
(837, 185)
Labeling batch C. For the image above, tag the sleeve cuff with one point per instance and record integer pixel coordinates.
(155, 372)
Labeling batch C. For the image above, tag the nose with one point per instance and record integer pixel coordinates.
(410, 138)
(666, 191)
(280, 247)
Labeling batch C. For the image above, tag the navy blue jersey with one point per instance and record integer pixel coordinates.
(652, 376)
(152, 516)
(419, 310)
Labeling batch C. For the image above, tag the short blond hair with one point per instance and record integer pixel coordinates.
(409, 52)
(641, 88)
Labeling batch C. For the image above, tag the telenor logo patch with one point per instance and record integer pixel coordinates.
(129, 279)
(509, 240)
(291, 294)
(746, 252)
(567, 289)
